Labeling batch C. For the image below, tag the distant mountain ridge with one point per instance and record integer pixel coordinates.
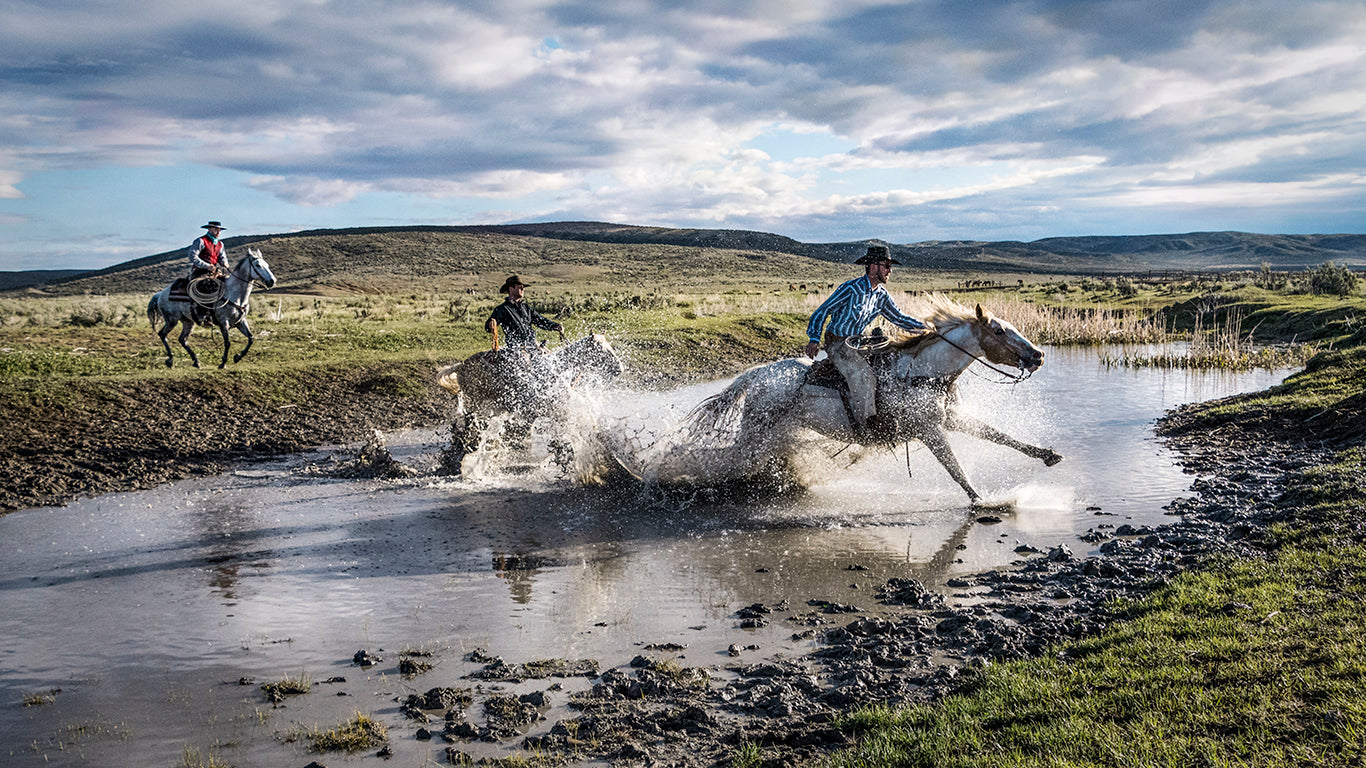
(404, 249)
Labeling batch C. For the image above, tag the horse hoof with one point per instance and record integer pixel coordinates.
(1051, 458)
(168, 362)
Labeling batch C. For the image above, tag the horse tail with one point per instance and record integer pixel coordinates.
(153, 311)
(720, 412)
(447, 379)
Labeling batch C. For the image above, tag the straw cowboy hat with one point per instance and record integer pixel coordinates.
(876, 255)
(511, 281)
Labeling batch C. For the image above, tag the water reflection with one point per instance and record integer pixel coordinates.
(230, 533)
(520, 570)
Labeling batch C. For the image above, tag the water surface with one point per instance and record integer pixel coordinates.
(147, 609)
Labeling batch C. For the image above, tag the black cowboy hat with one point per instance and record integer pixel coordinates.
(213, 225)
(511, 281)
(876, 255)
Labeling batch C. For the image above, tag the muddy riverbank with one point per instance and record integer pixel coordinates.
(108, 437)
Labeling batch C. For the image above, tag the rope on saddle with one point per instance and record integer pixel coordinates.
(205, 291)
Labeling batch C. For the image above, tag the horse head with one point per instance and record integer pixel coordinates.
(1003, 344)
(962, 335)
(591, 354)
(256, 268)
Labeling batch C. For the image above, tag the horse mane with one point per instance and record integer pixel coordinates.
(936, 308)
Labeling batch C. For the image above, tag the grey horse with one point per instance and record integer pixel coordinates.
(229, 311)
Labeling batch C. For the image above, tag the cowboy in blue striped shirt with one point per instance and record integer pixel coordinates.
(850, 309)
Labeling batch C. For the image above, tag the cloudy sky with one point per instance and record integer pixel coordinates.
(124, 126)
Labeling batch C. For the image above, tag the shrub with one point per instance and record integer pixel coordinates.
(1331, 279)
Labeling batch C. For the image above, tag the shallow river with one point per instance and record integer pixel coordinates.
(147, 609)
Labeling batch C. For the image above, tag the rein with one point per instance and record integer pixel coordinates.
(877, 344)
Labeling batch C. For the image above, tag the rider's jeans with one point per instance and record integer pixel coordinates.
(859, 375)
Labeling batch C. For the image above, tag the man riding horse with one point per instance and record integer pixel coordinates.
(208, 258)
(850, 309)
(520, 358)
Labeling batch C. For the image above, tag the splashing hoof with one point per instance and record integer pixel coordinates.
(1051, 457)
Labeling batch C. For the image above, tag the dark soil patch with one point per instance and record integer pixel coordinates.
(106, 437)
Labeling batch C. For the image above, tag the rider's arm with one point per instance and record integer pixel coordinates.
(495, 317)
(540, 322)
(195, 261)
(823, 313)
(893, 313)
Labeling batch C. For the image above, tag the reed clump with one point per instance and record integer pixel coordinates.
(1224, 347)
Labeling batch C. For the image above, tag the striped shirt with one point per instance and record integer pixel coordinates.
(853, 306)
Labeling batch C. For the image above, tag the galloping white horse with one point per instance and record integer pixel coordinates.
(766, 405)
(526, 385)
(230, 311)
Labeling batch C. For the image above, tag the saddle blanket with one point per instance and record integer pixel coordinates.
(180, 289)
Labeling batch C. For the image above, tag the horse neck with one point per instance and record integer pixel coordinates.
(238, 289)
(945, 356)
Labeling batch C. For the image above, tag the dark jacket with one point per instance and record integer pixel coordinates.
(519, 323)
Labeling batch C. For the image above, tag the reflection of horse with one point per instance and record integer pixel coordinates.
(766, 405)
(229, 311)
(523, 384)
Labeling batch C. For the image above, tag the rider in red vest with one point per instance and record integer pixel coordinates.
(207, 256)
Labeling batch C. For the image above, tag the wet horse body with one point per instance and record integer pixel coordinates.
(524, 385)
(229, 312)
(766, 405)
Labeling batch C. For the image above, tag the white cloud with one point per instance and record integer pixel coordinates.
(643, 111)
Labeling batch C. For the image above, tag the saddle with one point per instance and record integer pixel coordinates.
(823, 373)
(883, 428)
(197, 294)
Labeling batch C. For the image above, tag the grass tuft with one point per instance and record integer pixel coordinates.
(360, 732)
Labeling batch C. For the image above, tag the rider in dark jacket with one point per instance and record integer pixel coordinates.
(517, 319)
(521, 360)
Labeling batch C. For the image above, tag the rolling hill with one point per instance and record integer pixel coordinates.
(452, 258)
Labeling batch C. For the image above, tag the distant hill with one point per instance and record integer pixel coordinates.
(456, 258)
(10, 281)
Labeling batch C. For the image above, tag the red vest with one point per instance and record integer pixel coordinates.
(213, 250)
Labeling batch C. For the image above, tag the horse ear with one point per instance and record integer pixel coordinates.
(980, 314)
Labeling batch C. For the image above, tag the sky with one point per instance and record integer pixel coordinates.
(125, 126)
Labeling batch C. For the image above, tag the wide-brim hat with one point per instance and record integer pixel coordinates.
(511, 281)
(214, 225)
(876, 255)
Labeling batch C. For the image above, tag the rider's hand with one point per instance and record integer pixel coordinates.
(812, 349)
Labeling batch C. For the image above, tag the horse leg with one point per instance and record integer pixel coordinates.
(465, 432)
(227, 344)
(165, 330)
(936, 439)
(245, 328)
(186, 326)
(978, 428)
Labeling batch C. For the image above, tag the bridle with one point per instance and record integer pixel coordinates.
(879, 343)
(1013, 378)
(251, 281)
